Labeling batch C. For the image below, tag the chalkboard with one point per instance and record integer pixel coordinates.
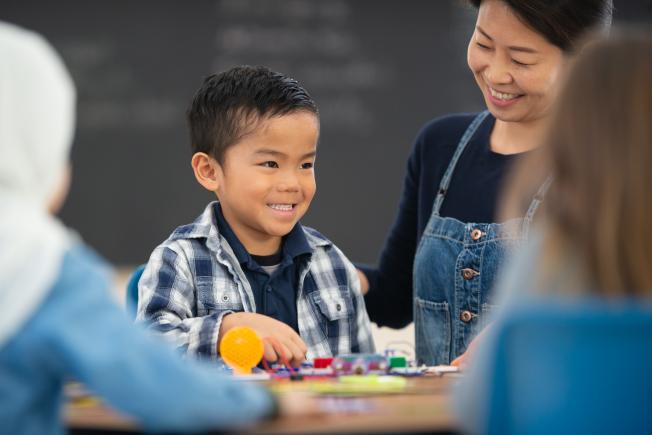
(378, 69)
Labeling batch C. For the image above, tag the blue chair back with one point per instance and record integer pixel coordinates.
(580, 369)
(131, 297)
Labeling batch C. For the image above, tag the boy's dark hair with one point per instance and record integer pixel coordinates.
(562, 22)
(229, 105)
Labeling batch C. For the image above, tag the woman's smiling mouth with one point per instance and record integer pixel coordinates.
(502, 99)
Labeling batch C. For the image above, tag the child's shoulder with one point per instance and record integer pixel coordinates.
(193, 238)
(315, 238)
(322, 246)
(202, 227)
(84, 262)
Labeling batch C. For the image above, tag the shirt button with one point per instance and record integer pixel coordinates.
(338, 307)
(469, 273)
(225, 298)
(476, 234)
(269, 289)
(466, 316)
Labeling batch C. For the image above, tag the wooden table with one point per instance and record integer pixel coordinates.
(424, 407)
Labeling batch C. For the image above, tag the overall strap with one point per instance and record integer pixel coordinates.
(534, 205)
(446, 179)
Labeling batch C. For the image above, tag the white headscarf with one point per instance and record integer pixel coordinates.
(37, 117)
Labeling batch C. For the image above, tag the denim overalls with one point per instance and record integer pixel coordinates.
(454, 270)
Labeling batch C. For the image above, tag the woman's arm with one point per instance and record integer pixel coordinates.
(389, 296)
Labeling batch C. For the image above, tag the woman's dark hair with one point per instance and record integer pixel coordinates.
(562, 22)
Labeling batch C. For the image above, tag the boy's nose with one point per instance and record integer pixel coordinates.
(289, 182)
(288, 187)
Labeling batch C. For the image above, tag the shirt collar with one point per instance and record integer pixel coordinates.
(301, 240)
(294, 243)
(225, 230)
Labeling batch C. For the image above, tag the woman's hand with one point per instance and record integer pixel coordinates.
(462, 361)
(364, 282)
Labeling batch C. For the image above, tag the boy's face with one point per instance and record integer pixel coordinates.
(267, 180)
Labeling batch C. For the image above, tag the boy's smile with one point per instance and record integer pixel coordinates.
(267, 180)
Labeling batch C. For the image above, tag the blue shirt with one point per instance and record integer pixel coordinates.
(472, 197)
(194, 278)
(275, 294)
(78, 332)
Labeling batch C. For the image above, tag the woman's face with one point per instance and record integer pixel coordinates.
(516, 68)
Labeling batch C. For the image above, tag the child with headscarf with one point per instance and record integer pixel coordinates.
(57, 320)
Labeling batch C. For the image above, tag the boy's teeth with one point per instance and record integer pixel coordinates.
(501, 95)
(282, 207)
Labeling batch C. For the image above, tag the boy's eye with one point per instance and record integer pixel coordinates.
(307, 165)
(269, 164)
(482, 46)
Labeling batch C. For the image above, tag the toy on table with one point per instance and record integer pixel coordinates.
(360, 364)
(375, 364)
(242, 349)
(353, 385)
(442, 370)
(322, 363)
(397, 362)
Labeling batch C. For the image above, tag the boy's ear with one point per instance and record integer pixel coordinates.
(207, 171)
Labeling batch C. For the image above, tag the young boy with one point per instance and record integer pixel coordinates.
(247, 261)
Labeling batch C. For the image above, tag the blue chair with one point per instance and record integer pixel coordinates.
(573, 369)
(131, 297)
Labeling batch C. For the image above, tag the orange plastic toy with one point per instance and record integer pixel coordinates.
(242, 349)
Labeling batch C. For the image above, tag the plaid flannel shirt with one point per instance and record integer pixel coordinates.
(193, 279)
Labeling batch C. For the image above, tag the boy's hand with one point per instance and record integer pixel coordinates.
(290, 345)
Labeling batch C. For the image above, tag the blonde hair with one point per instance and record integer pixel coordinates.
(598, 210)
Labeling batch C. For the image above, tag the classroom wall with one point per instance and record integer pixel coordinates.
(378, 69)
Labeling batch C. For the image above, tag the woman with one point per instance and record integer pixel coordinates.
(57, 320)
(591, 243)
(440, 260)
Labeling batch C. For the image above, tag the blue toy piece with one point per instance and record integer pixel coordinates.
(572, 369)
(131, 297)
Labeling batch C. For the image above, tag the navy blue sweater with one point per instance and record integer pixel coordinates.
(471, 197)
(275, 295)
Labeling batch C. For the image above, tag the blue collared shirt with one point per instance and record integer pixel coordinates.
(194, 278)
(275, 295)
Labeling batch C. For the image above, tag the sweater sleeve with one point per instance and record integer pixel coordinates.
(389, 300)
(93, 340)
